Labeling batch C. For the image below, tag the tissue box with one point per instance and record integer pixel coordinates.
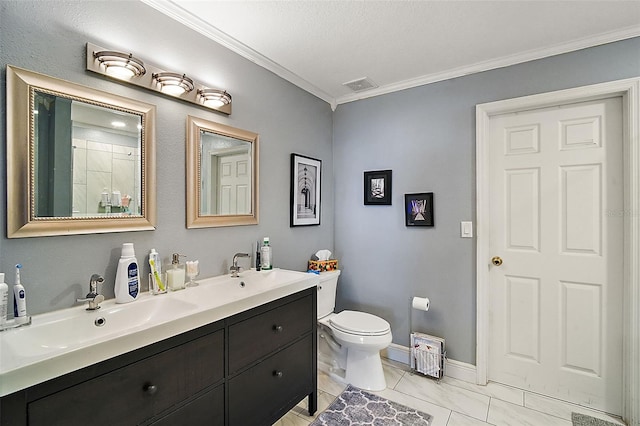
(323, 265)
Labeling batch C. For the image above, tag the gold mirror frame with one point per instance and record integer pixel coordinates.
(195, 219)
(21, 219)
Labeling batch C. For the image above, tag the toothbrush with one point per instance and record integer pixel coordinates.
(18, 267)
(155, 274)
(19, 302)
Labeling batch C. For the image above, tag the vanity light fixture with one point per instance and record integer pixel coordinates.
(173, 83)
(120, 65)
(214, 97)
(126, 68)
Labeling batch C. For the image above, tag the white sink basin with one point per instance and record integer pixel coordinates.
(63, 341)
(74, 328)
(255, 280)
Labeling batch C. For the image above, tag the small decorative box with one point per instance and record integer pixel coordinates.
(323, 265)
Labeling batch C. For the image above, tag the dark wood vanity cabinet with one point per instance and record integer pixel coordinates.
(270, 366)
(139, 391)
(249, 369)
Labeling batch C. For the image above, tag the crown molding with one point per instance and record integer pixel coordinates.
(505, 61)
(195, 23)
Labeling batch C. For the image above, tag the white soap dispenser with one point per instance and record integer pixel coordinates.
(175, 273)
(127, 285)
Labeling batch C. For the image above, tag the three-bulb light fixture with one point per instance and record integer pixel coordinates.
(126, 67)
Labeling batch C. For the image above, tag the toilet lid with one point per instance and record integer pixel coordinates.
(360, 323)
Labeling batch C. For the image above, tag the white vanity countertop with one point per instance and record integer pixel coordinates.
(57, 343)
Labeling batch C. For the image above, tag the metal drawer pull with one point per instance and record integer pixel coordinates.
(277, 329)
(150, 389)
(277, 374)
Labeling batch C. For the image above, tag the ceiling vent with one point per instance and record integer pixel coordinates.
(360, 85)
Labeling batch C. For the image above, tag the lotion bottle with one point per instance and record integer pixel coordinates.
(19, 299)
(265, 255)
(127, 285)
(4, 299)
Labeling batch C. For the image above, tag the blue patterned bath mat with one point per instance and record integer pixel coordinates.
(357, 407)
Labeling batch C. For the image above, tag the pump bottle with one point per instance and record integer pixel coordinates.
(175, 273)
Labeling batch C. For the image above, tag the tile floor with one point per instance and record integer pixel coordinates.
(453, 402)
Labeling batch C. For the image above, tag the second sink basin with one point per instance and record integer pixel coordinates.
(74, 328)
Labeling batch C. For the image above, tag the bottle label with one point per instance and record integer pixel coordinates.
(266, 258)
(132, 279)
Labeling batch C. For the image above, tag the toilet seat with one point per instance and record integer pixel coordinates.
(360, 323)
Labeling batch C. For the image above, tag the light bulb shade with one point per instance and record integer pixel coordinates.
(120, 65)
(128, 69)
(173, 83)
(214, 98)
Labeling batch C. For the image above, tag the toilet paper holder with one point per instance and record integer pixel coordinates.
(420, 303)
(427, 353)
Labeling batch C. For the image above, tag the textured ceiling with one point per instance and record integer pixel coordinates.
(320, 45)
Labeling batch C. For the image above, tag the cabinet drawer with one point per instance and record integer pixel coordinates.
(273, 386)
(256, 337)
(207, 409)
(137, 392)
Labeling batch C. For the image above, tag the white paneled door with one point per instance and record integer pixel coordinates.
(556, 276)
(234, 188)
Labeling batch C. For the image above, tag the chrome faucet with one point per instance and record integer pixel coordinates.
(235, 269)
(93, 297)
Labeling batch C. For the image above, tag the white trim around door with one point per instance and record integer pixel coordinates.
(630, 91)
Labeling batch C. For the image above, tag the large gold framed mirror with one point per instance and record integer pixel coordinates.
(79, 160)
(222, 175)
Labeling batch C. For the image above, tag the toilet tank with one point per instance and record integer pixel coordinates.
(327, 292)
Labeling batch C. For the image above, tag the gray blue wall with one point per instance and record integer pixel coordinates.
(426, 135)
(50, 37)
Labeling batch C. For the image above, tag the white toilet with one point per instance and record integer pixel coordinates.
(349, 342)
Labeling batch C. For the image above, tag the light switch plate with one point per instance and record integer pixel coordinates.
(466, 229)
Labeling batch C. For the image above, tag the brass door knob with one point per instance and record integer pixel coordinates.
(496, 260)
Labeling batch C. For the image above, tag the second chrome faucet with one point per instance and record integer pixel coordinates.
(235, 269)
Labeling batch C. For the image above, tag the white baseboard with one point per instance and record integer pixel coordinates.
(396, 353)
(454, 369)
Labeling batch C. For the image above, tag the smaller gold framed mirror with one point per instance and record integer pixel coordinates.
(222, 175)
(79, 160)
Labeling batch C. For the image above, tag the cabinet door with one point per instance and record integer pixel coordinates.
(137, 392)
(272, 387)
(256, 337)
(206, 410)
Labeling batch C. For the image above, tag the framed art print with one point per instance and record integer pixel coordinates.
(418, 209)
(377, 187)
(305, 190)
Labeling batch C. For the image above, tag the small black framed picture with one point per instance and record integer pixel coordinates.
(377, 187)
(418, 209)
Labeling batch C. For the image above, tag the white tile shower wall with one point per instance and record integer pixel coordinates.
(102, 166)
